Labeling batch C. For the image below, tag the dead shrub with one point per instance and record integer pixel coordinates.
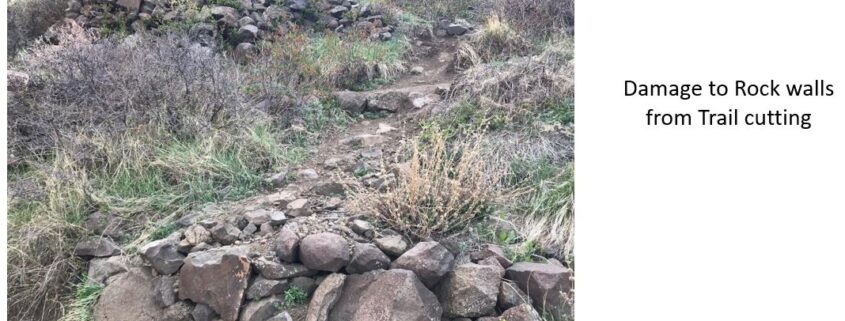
(534, 79)
(29, 19)
(443, 187)
(539, 19)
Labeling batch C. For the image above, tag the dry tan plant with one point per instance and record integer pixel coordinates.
(442, 188)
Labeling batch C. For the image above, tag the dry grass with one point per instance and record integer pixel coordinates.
(496, 41)
(534, 79)
(443, 188)
(539, 19)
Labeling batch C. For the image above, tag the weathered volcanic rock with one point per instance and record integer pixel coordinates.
(522, 312)
(510, 296)
(546, 284)
(261, 310)
(129, 296)
(197, 234)
(262, 288)
(217, 278)
(287, 245)
(96, 247)
(394, 295)
(100, 269)
(392, 245)
(324, 252)
(274, 270)
(470, 291)
(367, 257)
(325, 297)
(225, 233)
(164, 291)
(163, 255)
(430, 261)
(352, 102)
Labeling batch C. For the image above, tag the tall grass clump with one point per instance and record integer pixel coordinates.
(442, 188)
(549, 215)
(496, 41)
(350, 60)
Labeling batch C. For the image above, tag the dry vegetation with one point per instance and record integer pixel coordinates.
(148, 127)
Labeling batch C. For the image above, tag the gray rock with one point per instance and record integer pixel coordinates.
(202, 312)
(287, 245)
(279, 179)
(265, 229)
(277, 218)
(225, 233)
(324, 252)
(217, 278)
(304, 283)
(307, 174)
(367, 257)
(261, 310)
(470, 291)
(329, 189)
(392, 245)
(455, 29)
(262, 288)
(510, 296)
(490, 261)
(362, 227)
(274, 270)
(164, 291)
(298, 208)
(249, 230)
(352, 102)
(244, 51)
(298, 5)
(495, 251)
(96, 247)
(104, 224)
(395, 295)
(546, 284)
(257, 216)
(325, 297)
(163, 255)
(100, 269)
(128, 296)
(391, 101)
(132, 5)
(522, 312)
(430, 261)
(284, 316)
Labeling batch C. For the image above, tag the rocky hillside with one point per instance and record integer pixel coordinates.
(294, 160)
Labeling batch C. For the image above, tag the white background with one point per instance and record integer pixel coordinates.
(698, 223)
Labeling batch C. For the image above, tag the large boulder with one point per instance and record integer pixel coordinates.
(324, 252)
(96, 247)
(367, 257)
(287, 245)
(430, 261)
(547, 284)
(217, 278)
(163, 255)
(394, 295)
(325, 297)
(470, 291)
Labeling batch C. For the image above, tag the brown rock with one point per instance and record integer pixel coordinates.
(225, 233)
(510, 296)
(350, 101)
(325, 297)
(395, 295)
(100, 269)
(430, 261)
(392, 245)
(217, 278)
(470, 291)
(391, 101)
(261, 310)
(163, 255)
(495, 251)
(522, 312)
(262, 288)
(96, 247)
(164, 291)
(546, 284)
(324, 252)
(287, 245)
(128, 296)
(274, 270)
(367, 257)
